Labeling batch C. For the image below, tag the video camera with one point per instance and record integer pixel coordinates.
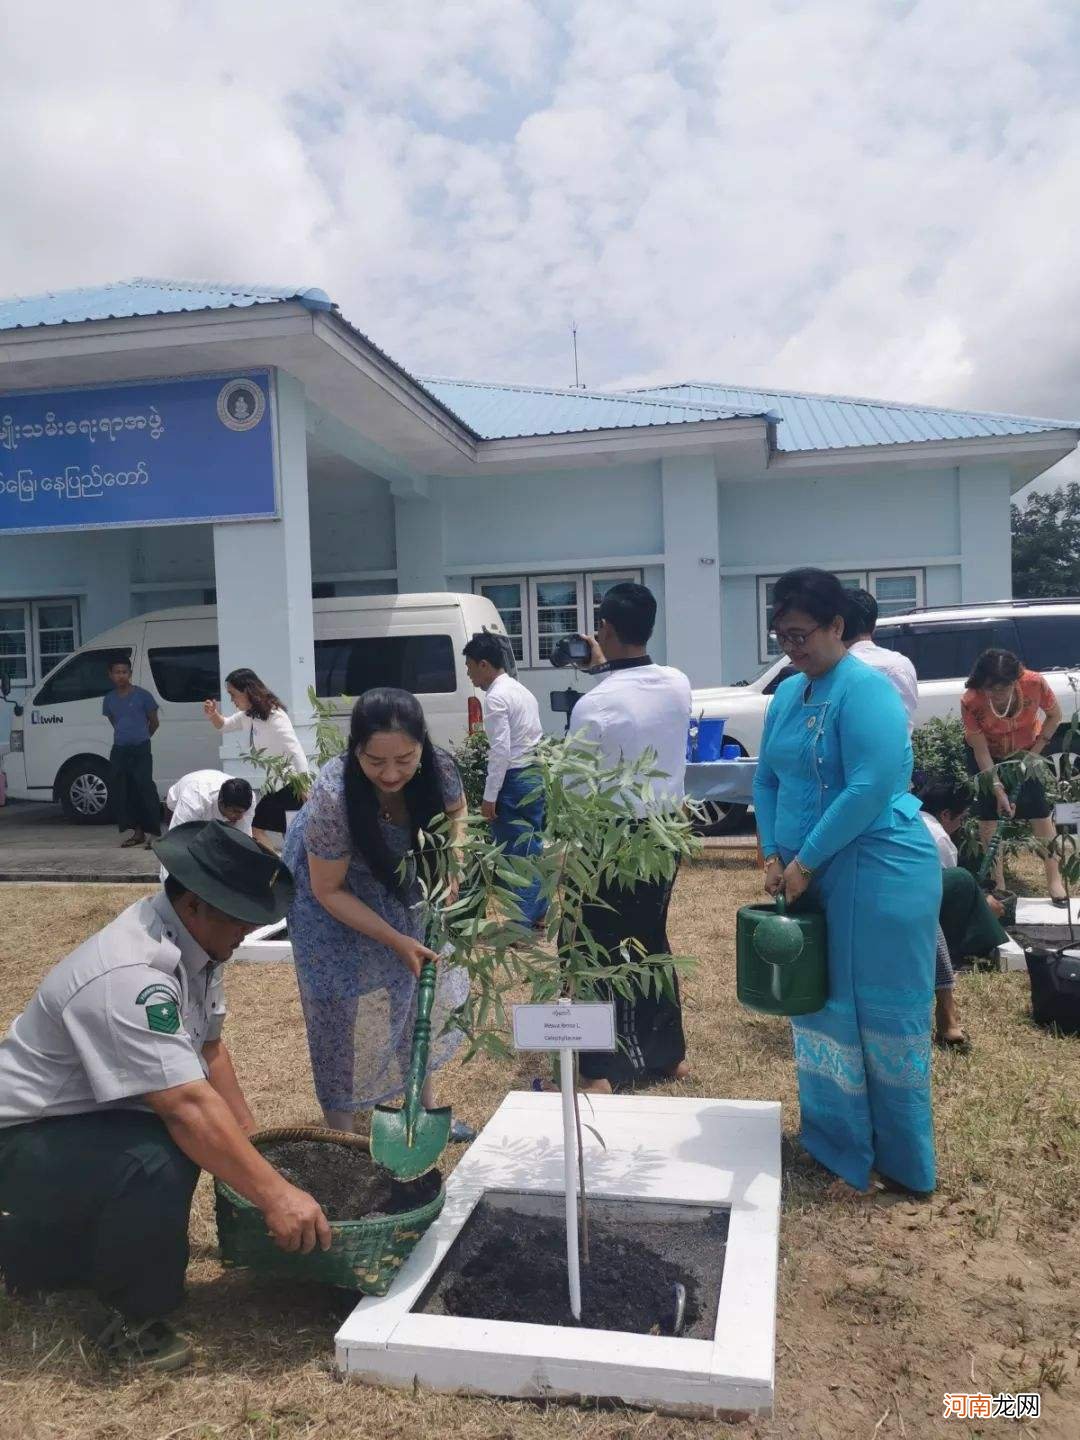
(570, 650)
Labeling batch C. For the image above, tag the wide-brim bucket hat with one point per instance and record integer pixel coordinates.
(227, 869)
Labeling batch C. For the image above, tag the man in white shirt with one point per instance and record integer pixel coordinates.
(210, 795)
(859, 624)
(513, 797)
(636, 706)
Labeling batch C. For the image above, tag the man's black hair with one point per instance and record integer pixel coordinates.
(484, 646)
(939, 794)
(860, 614)
(630, 610)
(174, 891)
(235, 794)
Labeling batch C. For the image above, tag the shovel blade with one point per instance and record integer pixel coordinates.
(404, 1155)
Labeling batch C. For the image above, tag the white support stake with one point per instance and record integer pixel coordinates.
(573, 1259)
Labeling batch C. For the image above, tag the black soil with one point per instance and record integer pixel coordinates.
(346, 1181)
(512, 1266)
(1046, 937)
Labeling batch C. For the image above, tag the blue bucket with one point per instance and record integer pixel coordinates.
(704, 741)
(730, 752)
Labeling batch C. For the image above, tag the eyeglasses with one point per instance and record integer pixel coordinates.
(789, 640)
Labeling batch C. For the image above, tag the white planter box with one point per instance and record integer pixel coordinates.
(269, 943)
(714, 1152)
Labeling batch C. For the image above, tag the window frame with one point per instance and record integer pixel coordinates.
(28, 642)
(864, 580)
(530, 658)
(36, 670)
(522, 582)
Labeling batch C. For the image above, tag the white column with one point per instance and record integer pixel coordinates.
(691, 566)
(418, 520)
(263, 577)
(985, 534)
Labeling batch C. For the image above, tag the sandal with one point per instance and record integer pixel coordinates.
(147, 1345)
(1061, 902)
(960, 1043)
(130, 842)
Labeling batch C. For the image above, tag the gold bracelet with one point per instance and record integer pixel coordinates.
(804, 870)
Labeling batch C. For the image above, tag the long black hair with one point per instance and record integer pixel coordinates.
(260, 700)
(994, 667)
(381, 710)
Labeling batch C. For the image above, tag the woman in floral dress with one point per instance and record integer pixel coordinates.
(356, 924)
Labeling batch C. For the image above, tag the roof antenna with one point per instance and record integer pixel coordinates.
(573, 335)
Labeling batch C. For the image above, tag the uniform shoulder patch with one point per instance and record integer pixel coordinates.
(162, 1009)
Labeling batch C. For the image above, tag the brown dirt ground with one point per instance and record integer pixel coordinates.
(883, 1306)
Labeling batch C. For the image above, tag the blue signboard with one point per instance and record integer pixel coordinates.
(163, 452)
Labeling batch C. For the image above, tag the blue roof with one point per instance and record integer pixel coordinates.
(805, 422)
(835, 422)
(504, 412)
(144, 297)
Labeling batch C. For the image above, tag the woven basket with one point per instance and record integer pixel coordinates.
(364, 1255)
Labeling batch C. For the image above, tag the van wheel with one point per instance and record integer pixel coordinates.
(84, 792)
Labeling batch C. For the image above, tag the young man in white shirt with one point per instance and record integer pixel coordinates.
(210, 795)
(513, 801)
(636, 706)
(859, 625)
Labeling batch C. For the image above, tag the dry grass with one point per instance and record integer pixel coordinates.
(883, 1307)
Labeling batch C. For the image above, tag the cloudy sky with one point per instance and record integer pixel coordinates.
(874, 197)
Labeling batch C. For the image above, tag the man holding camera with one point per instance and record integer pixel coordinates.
(636, 706)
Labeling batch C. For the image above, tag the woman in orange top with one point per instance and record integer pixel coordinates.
(1008, 710)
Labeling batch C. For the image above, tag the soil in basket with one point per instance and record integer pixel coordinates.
(346, 1181)
(512, 1266)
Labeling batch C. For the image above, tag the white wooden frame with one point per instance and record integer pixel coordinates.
(575, 578)
(613, 575)
(522, 582)
(31, 608)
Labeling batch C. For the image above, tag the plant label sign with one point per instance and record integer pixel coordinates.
(564, 1025)
(1067, 814)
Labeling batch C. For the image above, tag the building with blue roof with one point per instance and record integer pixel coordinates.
(167, 443)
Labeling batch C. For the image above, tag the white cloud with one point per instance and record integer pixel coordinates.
(874, 198)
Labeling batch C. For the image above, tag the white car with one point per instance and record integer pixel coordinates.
(943, 644)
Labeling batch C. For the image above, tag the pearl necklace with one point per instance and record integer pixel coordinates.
(1002, 714)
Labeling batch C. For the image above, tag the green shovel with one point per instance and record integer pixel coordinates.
(408, 1141)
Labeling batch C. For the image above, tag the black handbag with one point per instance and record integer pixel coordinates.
(1055, 989)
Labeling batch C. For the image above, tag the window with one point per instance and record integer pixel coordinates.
(508, 598)
(537, 610)
(894, 590)
(423, 664)
(15, 642)
(35, 635)
(556, 610)
(337, 589)
(186, 674)
(1050, 642)
(948, 649)
(84, 677)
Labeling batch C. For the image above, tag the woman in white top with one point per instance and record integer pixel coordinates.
(263, 719)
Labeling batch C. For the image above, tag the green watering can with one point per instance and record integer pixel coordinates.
(781, 962)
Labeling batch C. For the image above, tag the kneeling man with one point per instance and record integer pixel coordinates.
(116, 1089)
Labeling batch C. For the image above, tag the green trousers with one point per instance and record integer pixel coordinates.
(97, 1202)
(968, 923)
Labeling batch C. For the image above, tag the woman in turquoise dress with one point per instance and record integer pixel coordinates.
(838, 824)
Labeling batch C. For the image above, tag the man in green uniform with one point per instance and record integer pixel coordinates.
(116, 1089)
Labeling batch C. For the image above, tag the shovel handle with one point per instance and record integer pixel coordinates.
(425, 998)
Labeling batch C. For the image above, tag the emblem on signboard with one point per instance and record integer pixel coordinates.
(241, 405)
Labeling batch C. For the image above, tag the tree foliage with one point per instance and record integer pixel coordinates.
(1046, 544)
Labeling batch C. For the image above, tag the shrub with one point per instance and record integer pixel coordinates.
(472, 756)
(939, 751)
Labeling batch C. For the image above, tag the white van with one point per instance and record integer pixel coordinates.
(59, 747)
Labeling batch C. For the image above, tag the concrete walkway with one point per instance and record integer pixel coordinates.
(37, 843)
